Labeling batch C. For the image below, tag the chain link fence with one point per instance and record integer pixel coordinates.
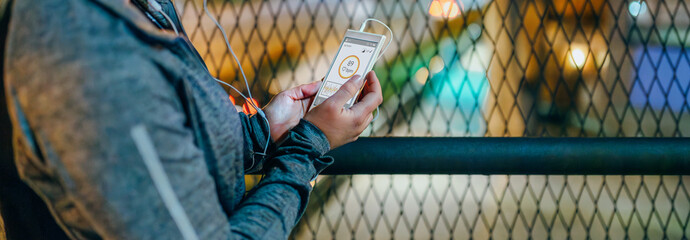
(482, 68)
(500, 207)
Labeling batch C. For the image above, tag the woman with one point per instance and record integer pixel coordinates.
(82, 75)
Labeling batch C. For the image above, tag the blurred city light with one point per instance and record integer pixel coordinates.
(445, 8)
(459, 91)
(493, 69)
(422, 75)
(661, 83)
(474, 30)
(436, 65)
(578, 57)
(637, 8)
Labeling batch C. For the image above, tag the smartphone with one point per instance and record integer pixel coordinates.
(356, 56)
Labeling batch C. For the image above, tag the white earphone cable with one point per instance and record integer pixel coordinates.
(249, 100)
(364, 25)
(361, 29)
(158, 8)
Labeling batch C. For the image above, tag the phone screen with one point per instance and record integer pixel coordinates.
(353, 59)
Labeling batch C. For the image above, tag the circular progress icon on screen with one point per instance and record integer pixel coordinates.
(348, 67)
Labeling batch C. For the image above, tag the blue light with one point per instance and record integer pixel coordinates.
(463, 93)
(637, 8)
(661, 79)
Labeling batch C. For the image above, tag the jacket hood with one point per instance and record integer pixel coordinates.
(131, 11)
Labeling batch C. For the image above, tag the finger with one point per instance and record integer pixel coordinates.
(365, 89)
(371, 96)
(369, 84)
(303, 91)
(346, 92)
(372, 83)
(308, 90)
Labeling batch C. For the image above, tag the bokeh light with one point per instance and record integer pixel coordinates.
(436, 64)
(445, 8)
(578, 57)
(422, 75)
(637, 8)
(474, 30)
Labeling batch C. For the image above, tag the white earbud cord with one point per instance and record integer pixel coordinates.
(152, 162)
(146, 148)
(364, 26)
(361, 29)
(249, 100)
(244, 76)
(158, 8)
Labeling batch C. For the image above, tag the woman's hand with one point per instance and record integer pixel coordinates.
(342, 125)
(288, 107)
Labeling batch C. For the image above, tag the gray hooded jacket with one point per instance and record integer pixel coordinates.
(81, 74)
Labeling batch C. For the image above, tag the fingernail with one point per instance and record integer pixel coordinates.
(356, 78)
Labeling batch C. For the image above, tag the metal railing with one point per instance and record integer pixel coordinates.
(565, 156)
(566, 87)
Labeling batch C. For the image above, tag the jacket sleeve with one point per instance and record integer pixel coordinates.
(255, 130)
(273, 207)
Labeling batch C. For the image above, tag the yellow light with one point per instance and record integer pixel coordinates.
(436, 65)
(445, 8)
(422, 75)
(578, 57)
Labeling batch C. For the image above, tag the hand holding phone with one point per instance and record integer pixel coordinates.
(342, 125)
(357, 55)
